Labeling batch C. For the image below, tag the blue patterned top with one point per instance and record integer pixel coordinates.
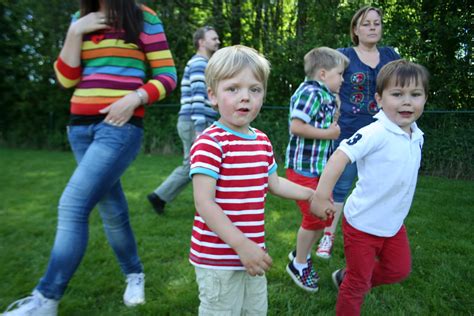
(357, 92)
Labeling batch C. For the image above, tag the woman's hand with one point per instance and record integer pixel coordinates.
(89, 23)
(120, 112)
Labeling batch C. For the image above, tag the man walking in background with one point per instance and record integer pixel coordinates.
(195, 114)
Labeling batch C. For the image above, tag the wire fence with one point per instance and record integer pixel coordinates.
(286, 107)
(448, 148)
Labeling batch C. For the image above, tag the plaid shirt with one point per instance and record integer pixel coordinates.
(314, 104)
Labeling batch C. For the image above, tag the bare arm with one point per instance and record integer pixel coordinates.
(254, 259)
(289, 190)
(71, 51)
(301, 129)
(322, 205)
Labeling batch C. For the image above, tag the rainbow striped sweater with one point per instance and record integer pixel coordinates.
(111, 68)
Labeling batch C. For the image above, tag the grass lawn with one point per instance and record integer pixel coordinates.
(439, 227)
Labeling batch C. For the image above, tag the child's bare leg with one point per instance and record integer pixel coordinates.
(304, 243)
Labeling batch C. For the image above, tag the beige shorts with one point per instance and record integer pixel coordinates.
(231, 292)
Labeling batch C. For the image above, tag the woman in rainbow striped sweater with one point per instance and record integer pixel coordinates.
(108, 47)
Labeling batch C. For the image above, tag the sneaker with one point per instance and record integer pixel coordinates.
(135, 291)
(157, 203)
(305, 281)
(325, 246)
(34, 305)
(314, 274)
(338, 277)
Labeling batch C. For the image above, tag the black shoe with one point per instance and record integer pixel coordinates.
(314, 274)
(305, 281)
(338, 277)
(157, 203)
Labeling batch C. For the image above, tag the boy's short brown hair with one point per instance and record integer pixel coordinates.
(401, 72)
(323, 58)
(229, 61)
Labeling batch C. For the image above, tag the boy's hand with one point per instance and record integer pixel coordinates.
(255, 260)
(334, 130)
(322, 207)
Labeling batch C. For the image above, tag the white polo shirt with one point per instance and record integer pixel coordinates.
(387, 160)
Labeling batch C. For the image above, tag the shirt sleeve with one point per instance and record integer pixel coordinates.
(206, 157)
(393, 53)
(155, 45)
(272, 165)
(306, 105)
(66, 75)
(344, 51)
(363, 142)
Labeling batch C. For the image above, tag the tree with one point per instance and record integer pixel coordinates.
(436, 33)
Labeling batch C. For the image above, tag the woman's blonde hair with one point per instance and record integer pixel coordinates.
(360, 16)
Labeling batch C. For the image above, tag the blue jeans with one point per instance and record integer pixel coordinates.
(103, 153)
(344, 184)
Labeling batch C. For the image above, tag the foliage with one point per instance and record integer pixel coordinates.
(439, 37)
(447, 151)
(440, 282)
(35, 111)
(32, 105)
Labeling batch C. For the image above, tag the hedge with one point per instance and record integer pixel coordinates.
(447, 151)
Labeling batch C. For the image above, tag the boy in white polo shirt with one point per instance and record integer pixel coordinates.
(388, 155)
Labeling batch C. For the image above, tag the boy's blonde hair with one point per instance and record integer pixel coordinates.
(401, 73)
(229, 61)
(323, 58)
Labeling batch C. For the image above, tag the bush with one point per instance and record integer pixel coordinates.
(448, 144)
(447, 150)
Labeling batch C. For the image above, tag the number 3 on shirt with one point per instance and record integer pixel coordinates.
(354, 139)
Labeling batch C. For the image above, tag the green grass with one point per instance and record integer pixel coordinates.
(439, 226)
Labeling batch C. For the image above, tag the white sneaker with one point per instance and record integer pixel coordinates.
(325, 246)
(34, 305)
(135, 291)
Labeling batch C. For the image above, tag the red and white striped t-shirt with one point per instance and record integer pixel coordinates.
(241, 165)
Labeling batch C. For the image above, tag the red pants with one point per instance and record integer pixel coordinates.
(370, 261)
(309, 221)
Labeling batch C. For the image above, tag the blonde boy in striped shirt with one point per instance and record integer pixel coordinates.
(232, 168)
